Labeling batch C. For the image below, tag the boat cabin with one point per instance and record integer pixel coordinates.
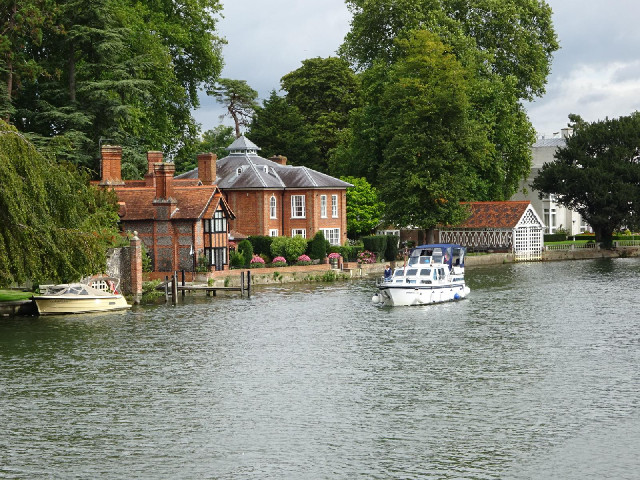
(432, 264)
(449, 254)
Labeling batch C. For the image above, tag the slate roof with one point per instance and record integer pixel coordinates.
(550, 142)
(241, 171)
(494, 214)
(192, 202)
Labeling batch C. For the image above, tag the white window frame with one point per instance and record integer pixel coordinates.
(273, 207)
(323, 206)
(332, 235)
(299, 231)
(298, 206)
(273, 232)
(334, 206)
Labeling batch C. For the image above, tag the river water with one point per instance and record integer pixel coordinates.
(535, 376)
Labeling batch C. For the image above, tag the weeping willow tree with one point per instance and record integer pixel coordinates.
(54, 226)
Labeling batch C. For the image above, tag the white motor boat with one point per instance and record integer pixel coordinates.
(101, 295)
(431, 274)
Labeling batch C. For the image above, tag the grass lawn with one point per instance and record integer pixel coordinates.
(11, 295)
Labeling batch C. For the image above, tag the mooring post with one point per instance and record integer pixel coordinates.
(183, 284)
(249, 284)
(174, 288)
(166, 288)
(242, 284)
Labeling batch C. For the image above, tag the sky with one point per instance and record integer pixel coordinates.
(595, 74)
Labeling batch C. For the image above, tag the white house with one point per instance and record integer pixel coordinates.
(554, 215)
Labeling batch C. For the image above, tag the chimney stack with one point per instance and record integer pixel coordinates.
(164, 181)
(207, 168)
(279, 159)
(153, 157)
(111, 165)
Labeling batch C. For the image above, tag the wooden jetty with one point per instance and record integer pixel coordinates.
(172, 285)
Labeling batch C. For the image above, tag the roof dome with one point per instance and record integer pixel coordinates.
(242, 145)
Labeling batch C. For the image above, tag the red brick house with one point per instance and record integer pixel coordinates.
(179, 221)
(275, 199)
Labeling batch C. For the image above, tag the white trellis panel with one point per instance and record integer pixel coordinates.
(529, 237)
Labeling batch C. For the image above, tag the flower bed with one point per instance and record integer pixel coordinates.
(279, 262)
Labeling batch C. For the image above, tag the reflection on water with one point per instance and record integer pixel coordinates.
(535, 375)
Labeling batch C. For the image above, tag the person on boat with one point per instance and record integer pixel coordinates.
(388, 273)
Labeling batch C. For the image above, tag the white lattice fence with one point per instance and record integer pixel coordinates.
(490, 238)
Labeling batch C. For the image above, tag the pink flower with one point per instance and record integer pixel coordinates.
(304, 258)
(257, 259)
(334, 255)
(279, 260)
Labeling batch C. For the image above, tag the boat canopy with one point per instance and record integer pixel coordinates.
(449, 253)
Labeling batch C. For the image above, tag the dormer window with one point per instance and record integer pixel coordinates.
(239, 171)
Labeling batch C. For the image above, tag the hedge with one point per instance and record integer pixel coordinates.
(261, 244)
(376, 244)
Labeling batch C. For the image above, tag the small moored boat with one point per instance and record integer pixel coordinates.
(101, 295)
(431, 274)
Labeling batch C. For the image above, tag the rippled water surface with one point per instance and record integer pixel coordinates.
(535, 376)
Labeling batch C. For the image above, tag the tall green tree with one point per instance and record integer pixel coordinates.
(238, 98)
(364, 207)
(597, 174)
(434, 147)
(517, 35)
(122, 71)
(54, 226)
(22, 24)
(279, 128)
(324, 90)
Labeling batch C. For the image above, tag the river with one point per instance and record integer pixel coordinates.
(535, 376)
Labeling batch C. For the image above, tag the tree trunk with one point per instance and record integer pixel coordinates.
(72, 74)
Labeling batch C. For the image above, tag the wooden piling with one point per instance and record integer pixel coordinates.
(174, 288)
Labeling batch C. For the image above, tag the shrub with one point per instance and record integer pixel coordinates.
(256, 262)
(350, 252)
(289, 248)
(261, 244)
(295, 247)
(376, 244)
(279, 262)
(391, 252)
(278, 246)
(555, 237)
(318, 246)
(236, 260)
(246, 249)
(303, 260)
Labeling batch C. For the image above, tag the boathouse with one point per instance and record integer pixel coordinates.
(512, 226)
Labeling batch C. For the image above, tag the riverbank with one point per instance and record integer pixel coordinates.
(324, 272)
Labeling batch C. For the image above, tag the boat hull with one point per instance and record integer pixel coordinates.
(406, 295)
(59, 305)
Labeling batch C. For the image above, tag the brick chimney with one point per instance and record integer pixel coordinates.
(279, 159)
(110, 165)
(164, 202)
(164, 180)
(152, 158)
(207, 168)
